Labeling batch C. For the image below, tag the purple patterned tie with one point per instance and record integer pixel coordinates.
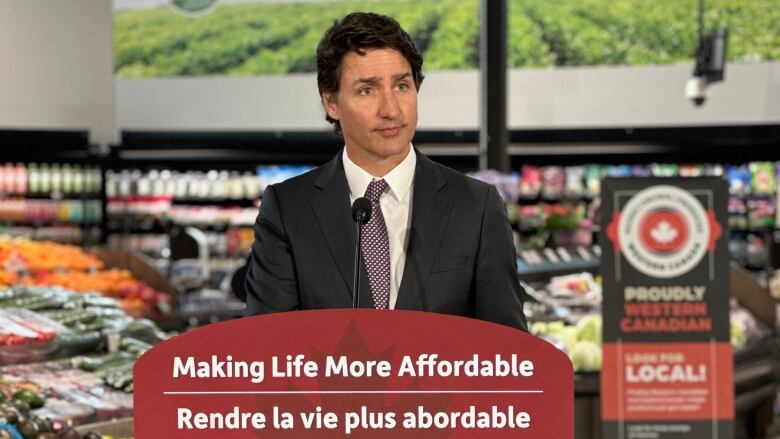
(376, 247)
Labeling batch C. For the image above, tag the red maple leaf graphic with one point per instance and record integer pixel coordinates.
(353, 345)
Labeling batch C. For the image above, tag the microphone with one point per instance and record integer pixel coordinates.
(361, 213)
(361, 210)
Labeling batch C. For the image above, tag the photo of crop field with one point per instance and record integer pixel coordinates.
(248, 38)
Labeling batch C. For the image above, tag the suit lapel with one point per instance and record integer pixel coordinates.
(332, 209)
(430, 212)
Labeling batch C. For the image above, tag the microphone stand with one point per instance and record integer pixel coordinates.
(358, 257)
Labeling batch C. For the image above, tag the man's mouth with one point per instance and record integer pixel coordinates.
(389, 132)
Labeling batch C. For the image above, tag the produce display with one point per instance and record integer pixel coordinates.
(33, 263)
(26, 336)
(58, 371)
(43, 323)
(571, 290)
(35, 256)
(135, 297)
(560, 207)
(582, 341)
(48, 399)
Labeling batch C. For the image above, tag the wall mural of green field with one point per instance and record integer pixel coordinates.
(273, 38)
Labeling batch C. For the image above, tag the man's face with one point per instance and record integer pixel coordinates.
(376, 105)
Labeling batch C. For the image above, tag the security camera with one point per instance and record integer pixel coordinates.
(710, 65)
(696, 90)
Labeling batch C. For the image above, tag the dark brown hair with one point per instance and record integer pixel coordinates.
(355, 33)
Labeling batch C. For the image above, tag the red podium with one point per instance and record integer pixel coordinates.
(354, 373)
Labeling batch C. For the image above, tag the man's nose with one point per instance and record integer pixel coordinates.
(389, 107)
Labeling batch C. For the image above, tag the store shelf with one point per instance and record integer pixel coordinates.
(180, 321)
(224, 202)
(46, 223)
(548, 268)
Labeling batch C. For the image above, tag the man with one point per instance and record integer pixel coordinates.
(436, 241)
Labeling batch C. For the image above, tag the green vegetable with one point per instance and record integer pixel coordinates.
(28, 429)
(589, 329)
(92, 364)
(586, 357)
(539, 328)
(738, 336)
(134, 346)
(32, 399)
(75, 343)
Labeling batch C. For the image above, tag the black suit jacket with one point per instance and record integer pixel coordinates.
(460, 258)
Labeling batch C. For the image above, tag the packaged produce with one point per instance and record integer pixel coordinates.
(761, 213)
(713, 170)
(641, 171)
(54, 394)
(530, 182)
(575, 182)
(531, 217)
(84, 317)
(691, 170)
(665, 170)
(506, 184)
(745, 327)
(593, 175)
(739, 180)
(553, 182)
(763, 178)
(581, 284)
(26, 336)
(619, 171)
(738, 210)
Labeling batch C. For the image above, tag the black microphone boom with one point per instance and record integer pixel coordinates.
(361, 213)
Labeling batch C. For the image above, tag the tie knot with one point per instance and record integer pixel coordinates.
(375, 190)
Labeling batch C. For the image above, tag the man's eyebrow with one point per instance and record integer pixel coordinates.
(369, 80)
(375, 79)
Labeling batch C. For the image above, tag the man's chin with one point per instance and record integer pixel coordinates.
(395, 150)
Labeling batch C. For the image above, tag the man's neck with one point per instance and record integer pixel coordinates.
(377, 166)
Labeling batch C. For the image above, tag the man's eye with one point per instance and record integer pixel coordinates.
(403, 86)
(364, 91)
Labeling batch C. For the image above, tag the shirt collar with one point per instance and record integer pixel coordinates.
(399, 179)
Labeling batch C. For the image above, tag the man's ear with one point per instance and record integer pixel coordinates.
(331, 105)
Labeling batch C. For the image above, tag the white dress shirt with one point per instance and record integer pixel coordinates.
(396, 204)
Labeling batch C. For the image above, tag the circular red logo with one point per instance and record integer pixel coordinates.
(663, 231)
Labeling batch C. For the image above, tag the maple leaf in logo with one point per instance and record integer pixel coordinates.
(664, 233)
(354, 344)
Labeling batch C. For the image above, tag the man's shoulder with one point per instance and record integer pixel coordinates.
(298, 185)
(460, 182)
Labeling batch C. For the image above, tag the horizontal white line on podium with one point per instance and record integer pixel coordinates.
(345, 392)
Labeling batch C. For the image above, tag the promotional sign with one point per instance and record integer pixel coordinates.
(667, 368)
(354, 373)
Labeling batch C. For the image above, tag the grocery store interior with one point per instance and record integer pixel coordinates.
(137, 137)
